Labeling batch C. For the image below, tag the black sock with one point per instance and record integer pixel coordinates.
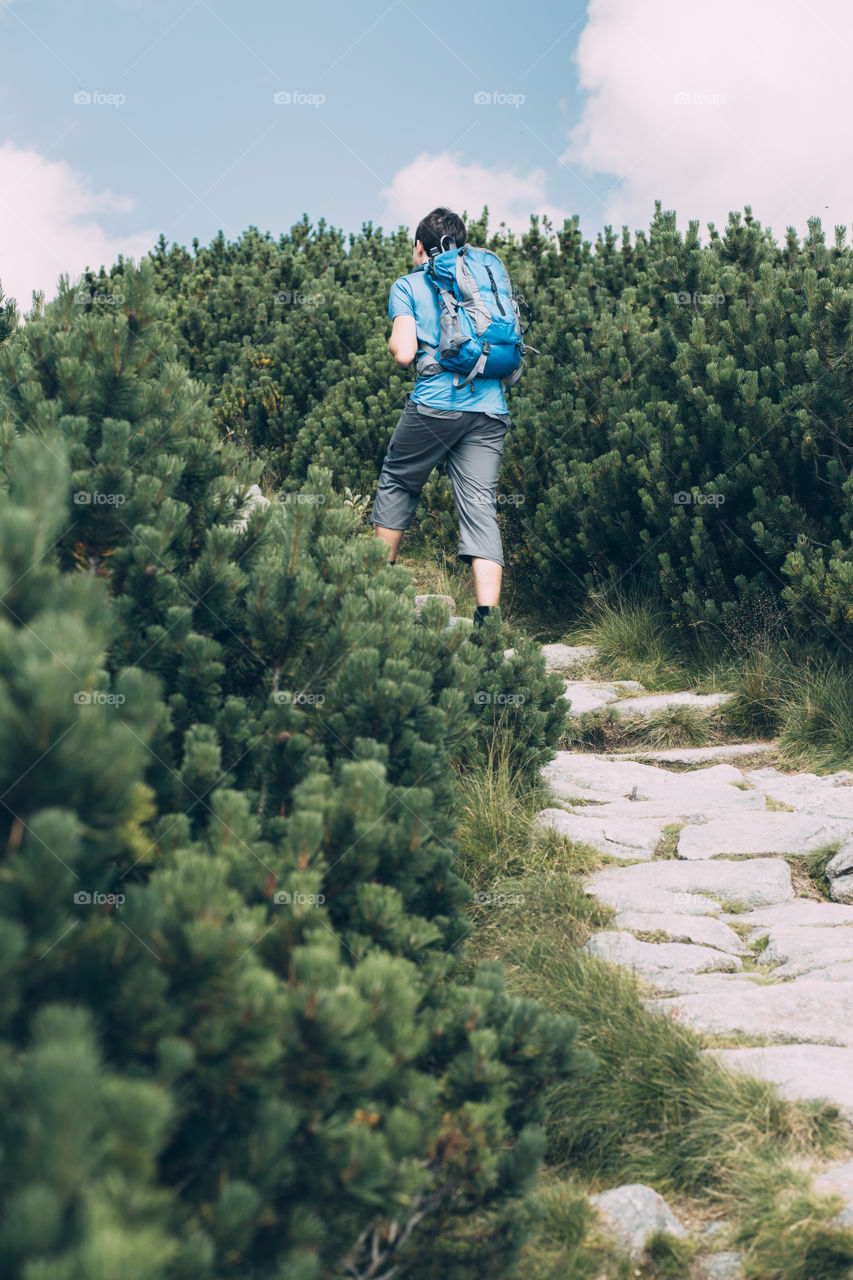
(394, 561)
(480, 613)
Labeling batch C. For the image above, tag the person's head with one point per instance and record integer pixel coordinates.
(440, 222)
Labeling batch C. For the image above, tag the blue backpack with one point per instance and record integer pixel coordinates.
(480, 326)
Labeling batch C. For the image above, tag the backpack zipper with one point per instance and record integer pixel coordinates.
(494, 289)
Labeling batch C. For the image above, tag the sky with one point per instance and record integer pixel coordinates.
(121, 120)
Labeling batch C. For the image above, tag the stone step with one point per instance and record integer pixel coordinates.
(708, 931)
(760, 834)
(764, 882)
(694, 755)
(800, 1072)
(805, 1011)
(658, 962)
(592, 695)
(558, 657)
(653, 702)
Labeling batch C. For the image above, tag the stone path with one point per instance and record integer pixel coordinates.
(708, 913)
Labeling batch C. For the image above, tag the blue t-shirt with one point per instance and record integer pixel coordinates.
(413, 295)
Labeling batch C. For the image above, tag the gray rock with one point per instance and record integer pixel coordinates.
(656, 961)
(698, 755)
(803, 912)
(616, 838)
(760, 834)
(839, 873)
(661, 701)
(632, 897)
(800, 1072)
(838, 1181)
(806, 1011)
(718, 1266)
(628, 783)
(835, 972)
(254, 498)
(559, 656)
(632, 1213)
(803, 948)
(420, 601)
(705, 930)
(588, 695)
(749, 884)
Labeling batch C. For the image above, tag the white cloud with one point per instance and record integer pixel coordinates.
(777, 141)
(49, 225)
(449, 179)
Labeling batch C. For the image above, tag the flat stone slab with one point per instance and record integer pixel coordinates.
(698, 755)
(707, 931)
(750, 884)
(800, 1072)
(797, 950)
(838, 1181)
(632, 1213)
(653, 702)
(804, 1011)
(623, 839)
(559, 656)
(657, 962)
(760, 833)
(592, 695)
(802, 912)
(576, 774)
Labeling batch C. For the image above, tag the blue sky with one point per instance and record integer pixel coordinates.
(598, 107)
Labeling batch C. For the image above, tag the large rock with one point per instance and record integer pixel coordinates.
(802, 912)
(617, 838)
(839, 873)
(806, 1011)
(760, 834)
(629, 784)
(656, 962)
(800, 1072)
(704, 930)
(749, 884)
(653, 702)
(699, 755)
(420, 601)
(592, 695)
(560, 656)
(632, 1213)
(838, 1181)
(254, 498)
(798, 950)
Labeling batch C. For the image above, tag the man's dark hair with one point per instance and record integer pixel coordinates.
(441, 222)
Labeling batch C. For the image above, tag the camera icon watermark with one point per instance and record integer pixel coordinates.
(87, 497)
(685, 496)
(286, 298)
(295, 98)
(290, 497)
(95, 98)
(485, 698)
(85, 698)
(685, 299)
(82, 297)
(496, 99)
(697, 99)
(482, 899)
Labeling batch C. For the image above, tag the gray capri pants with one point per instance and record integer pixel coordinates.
(472, 444)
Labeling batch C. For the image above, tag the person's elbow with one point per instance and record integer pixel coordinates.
(403, 354)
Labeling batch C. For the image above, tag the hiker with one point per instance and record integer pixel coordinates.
(465, 424)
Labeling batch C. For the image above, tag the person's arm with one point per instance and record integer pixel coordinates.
(403, 343)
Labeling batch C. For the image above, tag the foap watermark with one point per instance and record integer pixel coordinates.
(686, 496)
(697, 299)
(95, 98)
(287, 696)
(287, 299)
(282, 898)
(83, 898)
(82, 297)
(85, 497)
(96, 697)
(296, 98)
(499, 899)
(293, 499)
(502, 499)
(483, 98)
(694, 98)
(486, 698)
